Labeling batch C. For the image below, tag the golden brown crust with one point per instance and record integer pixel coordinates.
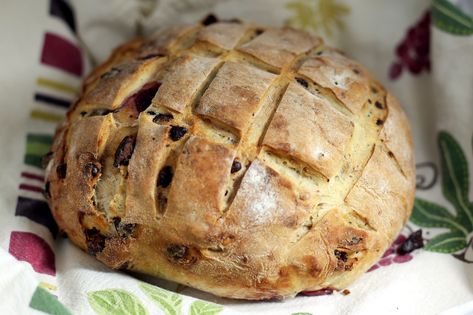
(302, 127)
(381, 193)
(223, 35)
(235, 94)
(398, 139)
(197, 183)
(348, 80)
(279, 46)
(165, 41)
(181, 83)
(247, 162)
(148, 158)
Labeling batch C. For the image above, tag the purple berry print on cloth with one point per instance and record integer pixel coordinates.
(33, 249)
(413, 52)
(402, 259)
(62, 54)
(62, 9)
(396, 254)
(37, 211)
(324, 291)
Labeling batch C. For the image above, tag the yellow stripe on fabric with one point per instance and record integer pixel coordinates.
(50, 287)
(57, 86)
(42, 115)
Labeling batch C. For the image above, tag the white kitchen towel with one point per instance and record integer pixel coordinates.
(421, 50)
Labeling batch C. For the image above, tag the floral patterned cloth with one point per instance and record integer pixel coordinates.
(421, 50)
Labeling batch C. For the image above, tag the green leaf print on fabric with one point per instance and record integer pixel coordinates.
(115, 302)
(447, 243)
(455, 188)
(455, 183)
(205, 308)
(168, 301)
(428, 214)
(320, 15)
(303, 313)
(45, 302)
(37, 145)
(447, 17)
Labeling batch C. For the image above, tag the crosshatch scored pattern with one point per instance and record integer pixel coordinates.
(249, 162)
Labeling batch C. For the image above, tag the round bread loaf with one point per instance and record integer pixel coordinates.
(244, 161)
